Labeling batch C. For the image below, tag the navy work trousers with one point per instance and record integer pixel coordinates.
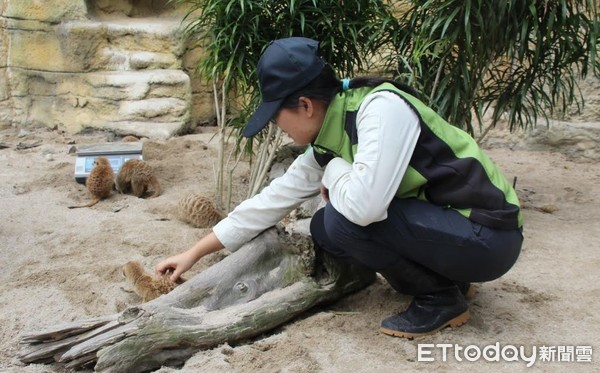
(435, 237)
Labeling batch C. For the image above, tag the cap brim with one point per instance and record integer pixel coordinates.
(261, 117)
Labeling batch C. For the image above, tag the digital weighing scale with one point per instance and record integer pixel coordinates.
(116, 153)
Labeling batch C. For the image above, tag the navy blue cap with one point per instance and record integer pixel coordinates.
(286, 66)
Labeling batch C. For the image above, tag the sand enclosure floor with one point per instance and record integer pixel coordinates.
(60, 265)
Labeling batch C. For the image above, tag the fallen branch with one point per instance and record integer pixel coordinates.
(266, 283)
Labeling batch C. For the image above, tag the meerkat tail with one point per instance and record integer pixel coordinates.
(92, 203)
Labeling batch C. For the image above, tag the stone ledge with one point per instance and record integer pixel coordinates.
(159, 98)
(153, 130)
(53, 11)
(576, 139)
(570, 138)
(113, 85)
(93, 46)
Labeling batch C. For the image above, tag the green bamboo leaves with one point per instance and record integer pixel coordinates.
(521, 59)
(233, 34)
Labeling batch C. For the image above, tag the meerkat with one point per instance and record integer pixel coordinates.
(100, 181)
(136, 176)
(130, 138)
(199, 211)
(147, 286)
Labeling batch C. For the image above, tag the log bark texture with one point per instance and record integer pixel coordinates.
(266, 283)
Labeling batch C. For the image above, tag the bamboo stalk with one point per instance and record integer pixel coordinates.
(230, 176)
(268, 150)
(264, 168)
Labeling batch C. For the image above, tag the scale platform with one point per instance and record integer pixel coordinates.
(116, 153)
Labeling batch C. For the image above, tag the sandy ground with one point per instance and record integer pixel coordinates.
(60, 265)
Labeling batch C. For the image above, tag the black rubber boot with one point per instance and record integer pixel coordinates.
(428, 314)
(438, 302)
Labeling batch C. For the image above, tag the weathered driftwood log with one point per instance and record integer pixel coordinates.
(259, 287)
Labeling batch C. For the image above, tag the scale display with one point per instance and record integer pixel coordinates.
(116, 153)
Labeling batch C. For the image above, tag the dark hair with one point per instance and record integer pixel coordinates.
(326, 85)
(322, 88)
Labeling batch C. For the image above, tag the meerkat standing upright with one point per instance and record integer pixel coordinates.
(100, 181)
(136, 176)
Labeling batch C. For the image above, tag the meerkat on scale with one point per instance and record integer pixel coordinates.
(100, 182)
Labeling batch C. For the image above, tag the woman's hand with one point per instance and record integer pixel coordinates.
(183, 261)
(177, 264)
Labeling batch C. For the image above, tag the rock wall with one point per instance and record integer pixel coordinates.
(121, 65)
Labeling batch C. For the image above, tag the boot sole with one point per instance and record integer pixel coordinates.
(454, 323)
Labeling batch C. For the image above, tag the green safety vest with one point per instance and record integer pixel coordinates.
(447, 167)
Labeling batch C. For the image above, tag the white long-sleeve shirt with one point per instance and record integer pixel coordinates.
(387, 130)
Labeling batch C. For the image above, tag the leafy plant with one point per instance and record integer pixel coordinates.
(233, 34)
(521, 57)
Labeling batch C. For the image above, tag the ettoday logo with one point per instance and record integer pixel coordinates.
(429, 352)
